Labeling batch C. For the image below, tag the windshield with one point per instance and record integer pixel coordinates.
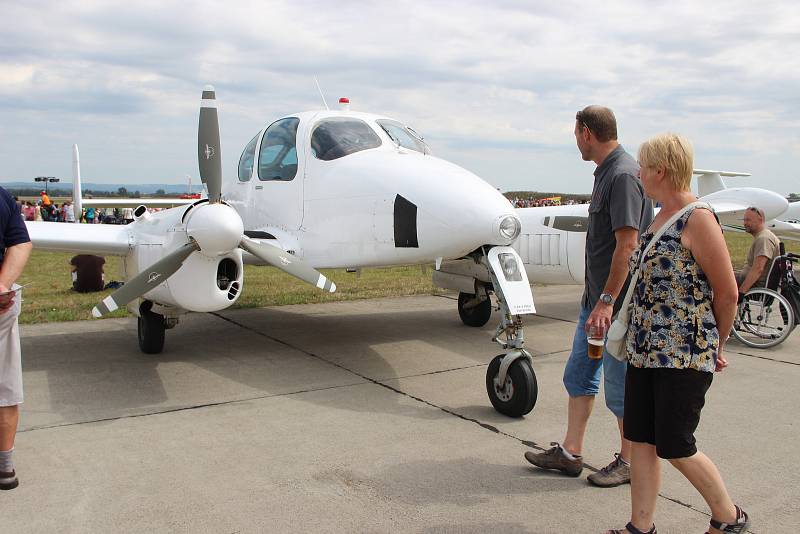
(404, 136)
(337, 137)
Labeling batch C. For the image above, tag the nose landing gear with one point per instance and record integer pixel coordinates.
(512, 392)
(510, 379)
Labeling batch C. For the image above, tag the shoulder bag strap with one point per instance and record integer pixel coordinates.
(623, 311)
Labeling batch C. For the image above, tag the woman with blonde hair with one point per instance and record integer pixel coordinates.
(682, 311)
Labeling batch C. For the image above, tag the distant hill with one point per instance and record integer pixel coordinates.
(65, 188)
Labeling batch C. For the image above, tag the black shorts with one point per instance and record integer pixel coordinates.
(662, 408)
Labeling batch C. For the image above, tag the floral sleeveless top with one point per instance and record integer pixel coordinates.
(672, 323)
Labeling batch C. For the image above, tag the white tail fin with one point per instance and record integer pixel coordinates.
(76, 184)
(711, 181)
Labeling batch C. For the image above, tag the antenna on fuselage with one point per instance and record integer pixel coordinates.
(320, 94)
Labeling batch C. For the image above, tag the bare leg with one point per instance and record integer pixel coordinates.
(705, 477)
(645, 483)
(625, 445)
(9, 418)
(578, 411)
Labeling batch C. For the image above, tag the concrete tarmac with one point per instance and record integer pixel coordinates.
(366, 416)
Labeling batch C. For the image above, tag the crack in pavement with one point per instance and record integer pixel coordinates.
(486, 426)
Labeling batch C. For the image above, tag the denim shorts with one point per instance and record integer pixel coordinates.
(582, 374)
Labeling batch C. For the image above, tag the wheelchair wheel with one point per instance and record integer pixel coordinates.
(763, 319)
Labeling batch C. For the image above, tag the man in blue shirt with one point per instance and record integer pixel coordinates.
(15, 248)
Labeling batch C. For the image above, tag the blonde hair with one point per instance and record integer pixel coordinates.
(675, 153)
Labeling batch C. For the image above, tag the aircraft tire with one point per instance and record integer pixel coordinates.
(477, 316)
(151, 332)
(518, 396)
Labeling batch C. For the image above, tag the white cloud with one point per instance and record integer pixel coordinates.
(491, 86)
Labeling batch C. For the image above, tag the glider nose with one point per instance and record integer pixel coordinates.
(773, 204)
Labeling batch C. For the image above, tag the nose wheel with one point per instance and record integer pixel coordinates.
(512, 391)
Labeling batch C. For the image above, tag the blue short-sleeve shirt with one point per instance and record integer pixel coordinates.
(12, 228)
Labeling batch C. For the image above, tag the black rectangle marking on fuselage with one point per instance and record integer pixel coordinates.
(405, 223)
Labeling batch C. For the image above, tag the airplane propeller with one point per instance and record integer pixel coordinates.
(288, 263)
(208, 146)
(213, 229)
(145, 280)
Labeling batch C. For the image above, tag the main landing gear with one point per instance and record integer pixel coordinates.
(474, 309)
(151, 327)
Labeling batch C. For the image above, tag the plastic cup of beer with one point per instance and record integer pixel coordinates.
(596, 343)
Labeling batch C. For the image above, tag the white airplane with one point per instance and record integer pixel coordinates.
(552, 242)
(320, 189)
(785, 225)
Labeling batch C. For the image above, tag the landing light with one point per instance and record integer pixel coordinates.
(508, 262)
(510, 227)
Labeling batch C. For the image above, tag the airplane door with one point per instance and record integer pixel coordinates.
(277, 195)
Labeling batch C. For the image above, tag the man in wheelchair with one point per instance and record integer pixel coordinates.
(769, 294)
(765, 248)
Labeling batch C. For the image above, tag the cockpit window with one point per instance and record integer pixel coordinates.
(404, 136)
(246, 160)
(341, 136)
(277, 159)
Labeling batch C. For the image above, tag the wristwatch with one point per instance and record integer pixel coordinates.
(606, 298)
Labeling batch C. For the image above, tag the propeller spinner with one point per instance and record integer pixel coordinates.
(213, 228)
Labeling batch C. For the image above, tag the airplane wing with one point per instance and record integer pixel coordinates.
(136, 202)
(100, 239)
(785, 229)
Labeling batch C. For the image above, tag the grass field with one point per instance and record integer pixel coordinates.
(51, 298)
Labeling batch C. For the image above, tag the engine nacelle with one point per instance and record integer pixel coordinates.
(202, 284)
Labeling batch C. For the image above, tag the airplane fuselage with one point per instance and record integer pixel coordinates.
(384, 205)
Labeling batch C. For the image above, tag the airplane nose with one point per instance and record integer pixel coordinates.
(469, 210)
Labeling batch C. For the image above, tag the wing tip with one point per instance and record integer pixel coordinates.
(96, 313)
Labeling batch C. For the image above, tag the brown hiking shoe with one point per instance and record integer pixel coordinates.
(614, 474)
(554, 459)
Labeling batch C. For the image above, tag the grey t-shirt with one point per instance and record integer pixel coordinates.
(617, 201)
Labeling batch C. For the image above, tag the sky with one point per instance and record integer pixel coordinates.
(492, 86)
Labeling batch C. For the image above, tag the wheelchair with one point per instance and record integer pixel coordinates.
(767, 315)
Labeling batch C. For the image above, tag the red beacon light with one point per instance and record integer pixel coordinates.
(344, 103)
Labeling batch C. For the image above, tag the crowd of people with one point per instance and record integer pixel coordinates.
(46, 210)
(532, 202)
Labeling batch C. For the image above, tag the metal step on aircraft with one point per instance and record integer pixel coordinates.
(319, 189)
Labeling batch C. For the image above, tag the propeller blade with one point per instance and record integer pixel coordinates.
(208, 149)
(288, 263)
(145, 281)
